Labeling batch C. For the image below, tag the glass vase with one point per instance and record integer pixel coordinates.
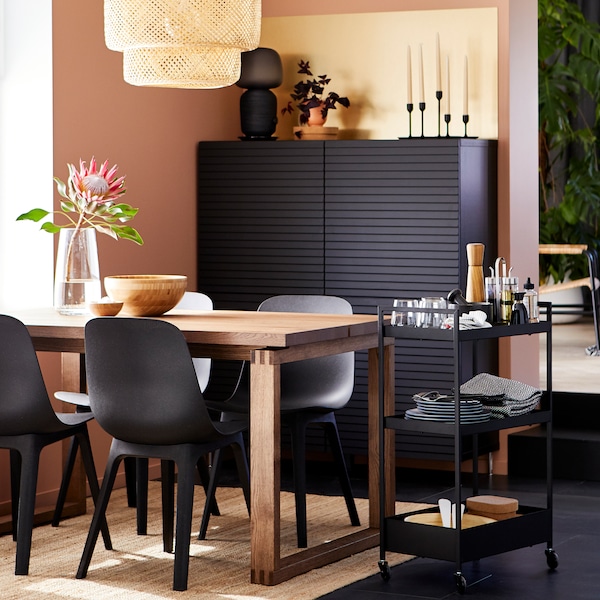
(77, 276)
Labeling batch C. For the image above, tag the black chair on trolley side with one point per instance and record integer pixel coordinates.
(311, 391)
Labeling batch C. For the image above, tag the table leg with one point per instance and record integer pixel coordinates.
(265, 466)
(389, 450)
(267, 565)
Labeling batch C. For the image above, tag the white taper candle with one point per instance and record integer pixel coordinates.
(438, 67)
(408, 77)
(447, 90)
(421, 76)
(466, 90)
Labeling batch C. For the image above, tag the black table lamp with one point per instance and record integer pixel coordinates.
(261, 70)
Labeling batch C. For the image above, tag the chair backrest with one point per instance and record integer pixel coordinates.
(325, 382)
(142, 384)
(24, 403)
(198, 301)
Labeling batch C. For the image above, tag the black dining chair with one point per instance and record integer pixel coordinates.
(28, 423)
(136, 471)
(144, 392)
(311, 391)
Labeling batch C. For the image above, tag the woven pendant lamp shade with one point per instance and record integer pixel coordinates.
(182, 43)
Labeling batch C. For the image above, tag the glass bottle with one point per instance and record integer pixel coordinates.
(507, 298)
(531, 302)
(518, 315)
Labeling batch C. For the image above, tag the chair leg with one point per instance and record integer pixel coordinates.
(66, 480)
(338, 454)
(298, 433)
(141, 488)
(83, 441)
(108, 482)
(29, 474)
(167, 485)
(183, 527)
(204, 473)
(210, 493)
(130, 481)
(241, 461)
(15, 487)
(592, 258)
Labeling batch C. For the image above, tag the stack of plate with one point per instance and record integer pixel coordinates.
(442, 408)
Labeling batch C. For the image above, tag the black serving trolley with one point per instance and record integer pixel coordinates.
(532, 525)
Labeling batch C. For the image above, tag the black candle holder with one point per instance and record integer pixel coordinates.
(422, 109)
(439, 94)
(466, 121)
(447, 118)
(409, 108)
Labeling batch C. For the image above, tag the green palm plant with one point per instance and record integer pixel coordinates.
(569, 74)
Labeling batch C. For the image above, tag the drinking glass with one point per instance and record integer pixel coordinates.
(401, 316)
(431, 319)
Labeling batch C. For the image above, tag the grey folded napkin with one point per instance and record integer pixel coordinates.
(504, 397)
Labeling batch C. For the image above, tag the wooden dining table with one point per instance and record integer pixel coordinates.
(266, 340)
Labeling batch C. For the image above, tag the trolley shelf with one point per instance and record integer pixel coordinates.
(399, 423)
(529, 527)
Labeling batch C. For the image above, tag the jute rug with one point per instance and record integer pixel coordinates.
(138, 569)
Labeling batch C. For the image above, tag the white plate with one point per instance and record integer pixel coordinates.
(416, 414)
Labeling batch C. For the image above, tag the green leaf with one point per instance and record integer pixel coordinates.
(106, 230)
(36, 214)
(67, 206)
(51, 227)
(61, 187)
(128, 233)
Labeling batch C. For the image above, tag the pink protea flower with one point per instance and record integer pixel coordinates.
(91, 185)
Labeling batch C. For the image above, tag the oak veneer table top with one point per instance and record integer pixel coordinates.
(250, 329)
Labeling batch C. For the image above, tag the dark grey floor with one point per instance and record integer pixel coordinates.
(518, 575)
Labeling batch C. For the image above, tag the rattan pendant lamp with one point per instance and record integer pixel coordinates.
(195, 44)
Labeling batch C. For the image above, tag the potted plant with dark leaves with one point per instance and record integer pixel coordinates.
(310, 99)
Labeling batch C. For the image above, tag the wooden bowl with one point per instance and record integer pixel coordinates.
(146, 295)
(105, 308)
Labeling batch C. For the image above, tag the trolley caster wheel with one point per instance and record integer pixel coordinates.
(551, 558)
(384, 570)
(460, 582)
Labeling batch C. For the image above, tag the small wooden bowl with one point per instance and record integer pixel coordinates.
(105, 308)
(436, 519)
(146, 295)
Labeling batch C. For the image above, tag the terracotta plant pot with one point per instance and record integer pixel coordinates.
(315, 117)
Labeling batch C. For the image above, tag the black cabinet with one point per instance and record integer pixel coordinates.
(367, 220)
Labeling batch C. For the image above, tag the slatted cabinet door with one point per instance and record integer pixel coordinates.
(260, 221)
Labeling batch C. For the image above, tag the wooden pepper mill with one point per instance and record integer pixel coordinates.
(475, 290)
